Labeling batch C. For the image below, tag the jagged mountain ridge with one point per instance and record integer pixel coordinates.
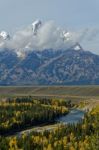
(58, 59)
(49, 67)
(37, 36)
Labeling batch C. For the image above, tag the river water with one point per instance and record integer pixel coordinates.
(74, 116)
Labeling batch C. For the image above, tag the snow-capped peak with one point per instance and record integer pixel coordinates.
(66, 35)
(77, 47)
(36, 25)
(39, 36)
(4, 35)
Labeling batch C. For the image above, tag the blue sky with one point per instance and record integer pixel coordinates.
(70, 14)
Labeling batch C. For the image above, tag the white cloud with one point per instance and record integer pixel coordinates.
(50, 36)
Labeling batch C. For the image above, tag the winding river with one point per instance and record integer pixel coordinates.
(74, 116)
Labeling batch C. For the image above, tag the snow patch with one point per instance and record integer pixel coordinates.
(36, 25)
(4, 35)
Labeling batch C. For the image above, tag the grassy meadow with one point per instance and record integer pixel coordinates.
(55, 91)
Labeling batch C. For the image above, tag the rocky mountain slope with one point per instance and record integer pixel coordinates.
(43, 54)
(49, 67)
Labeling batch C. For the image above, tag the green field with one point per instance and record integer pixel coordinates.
(51, 91)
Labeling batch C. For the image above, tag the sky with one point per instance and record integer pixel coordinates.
(69, 14)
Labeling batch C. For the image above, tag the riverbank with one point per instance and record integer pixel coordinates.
(74, 116)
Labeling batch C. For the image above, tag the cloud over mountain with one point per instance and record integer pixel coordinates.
(40, 36)
(48, 36)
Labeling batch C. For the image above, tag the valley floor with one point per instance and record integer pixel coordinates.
(29, 121)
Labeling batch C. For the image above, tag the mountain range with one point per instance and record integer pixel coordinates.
(70, 66)
(49, 67)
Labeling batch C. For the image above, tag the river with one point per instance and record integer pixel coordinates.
(74, 116)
